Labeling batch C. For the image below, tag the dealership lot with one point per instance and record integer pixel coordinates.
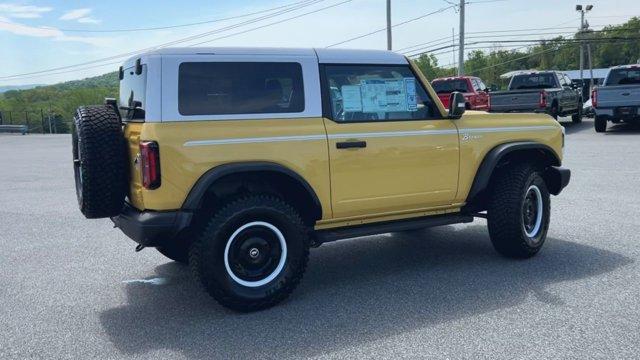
(75, 288)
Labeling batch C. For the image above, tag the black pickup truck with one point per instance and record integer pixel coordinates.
(540, 91)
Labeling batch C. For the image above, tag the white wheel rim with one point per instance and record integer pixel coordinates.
(276, 271)
(539, 209)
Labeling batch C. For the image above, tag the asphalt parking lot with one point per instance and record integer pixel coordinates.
(75, 288)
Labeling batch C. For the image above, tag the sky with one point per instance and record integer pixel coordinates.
(40, 35)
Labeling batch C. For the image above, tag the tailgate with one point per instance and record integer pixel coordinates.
(132, 135)
(515, 101)
(619, 96)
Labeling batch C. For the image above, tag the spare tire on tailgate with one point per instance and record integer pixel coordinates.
(99, 161)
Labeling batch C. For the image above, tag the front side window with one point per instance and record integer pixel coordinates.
(221, 88)
(481, 85)
(376, 93)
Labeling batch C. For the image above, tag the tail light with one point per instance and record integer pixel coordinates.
(543, 100)
(594, 98)
(150, 164)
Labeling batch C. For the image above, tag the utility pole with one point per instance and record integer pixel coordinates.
(453, 45)
(581, 46)
(461, 36)
(583, 27)
(590, 67)
(389, 25)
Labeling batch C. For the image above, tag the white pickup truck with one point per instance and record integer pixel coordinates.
(618, 98)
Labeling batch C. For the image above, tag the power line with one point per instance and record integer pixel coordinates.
(520, 40)
(393, 26)
(274, 23)
(189, 38)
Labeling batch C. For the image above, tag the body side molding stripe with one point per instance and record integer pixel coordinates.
(363, 135)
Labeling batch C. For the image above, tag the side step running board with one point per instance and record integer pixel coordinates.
(323, 236)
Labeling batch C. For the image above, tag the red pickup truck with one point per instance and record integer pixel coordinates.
(473, 89)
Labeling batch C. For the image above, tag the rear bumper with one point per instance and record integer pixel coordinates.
(151, 228)
(557, 178)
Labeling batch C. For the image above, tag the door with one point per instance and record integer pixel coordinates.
(567, 97)
(390, 149)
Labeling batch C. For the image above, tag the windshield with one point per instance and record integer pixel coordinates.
(449, 86)
(624, 76)
(533, 81)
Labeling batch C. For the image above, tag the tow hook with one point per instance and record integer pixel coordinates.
(139, 247)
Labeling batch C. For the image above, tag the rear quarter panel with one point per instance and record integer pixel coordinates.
(189, 149)
(480, 132)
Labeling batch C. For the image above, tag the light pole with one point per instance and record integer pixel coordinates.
(583, 27)
(389, 46)
(461, 36)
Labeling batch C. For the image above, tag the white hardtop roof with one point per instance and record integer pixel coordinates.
(343, 56)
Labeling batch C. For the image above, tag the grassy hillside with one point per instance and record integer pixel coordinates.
(22, 106)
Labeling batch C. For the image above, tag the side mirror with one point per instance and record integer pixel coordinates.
(493, 87)
(457, 104)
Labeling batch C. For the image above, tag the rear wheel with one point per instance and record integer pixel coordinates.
(600, 124)
(252, 254)
(518, 213)
(178, 252)
(99, 161)
(577, 117)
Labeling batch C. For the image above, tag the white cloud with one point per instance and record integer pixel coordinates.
(89, 20)
(75, 14)
(21, 29)
(23, 11)
(49, 32)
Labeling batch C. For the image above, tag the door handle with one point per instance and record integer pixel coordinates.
(351, 144)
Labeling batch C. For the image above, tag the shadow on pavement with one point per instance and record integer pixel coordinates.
(571, 128)
(354, 292)
(623, 129)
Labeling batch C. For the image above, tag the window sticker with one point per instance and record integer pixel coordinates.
(351, 98)
(412, 97)
(388, 95)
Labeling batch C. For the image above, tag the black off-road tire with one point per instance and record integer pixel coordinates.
(600, 124)
(99, 156)
(209, 251)
(505, 215)
(176, 251)
(577, 117)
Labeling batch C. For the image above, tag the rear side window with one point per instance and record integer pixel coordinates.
(624, 76)
(362, 93)
(449, 86)
(221, 88)
(133, 88)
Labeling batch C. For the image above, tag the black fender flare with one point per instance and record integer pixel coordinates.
(193, 200)
(493, 157)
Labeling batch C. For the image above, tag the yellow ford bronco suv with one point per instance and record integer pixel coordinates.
(238, 160)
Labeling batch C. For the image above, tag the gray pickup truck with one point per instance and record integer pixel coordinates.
(618, 98)
(540, 91)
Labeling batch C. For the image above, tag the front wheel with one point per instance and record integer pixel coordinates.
(252, 254)
(518, 212)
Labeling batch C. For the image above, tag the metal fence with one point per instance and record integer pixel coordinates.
(37, 121)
